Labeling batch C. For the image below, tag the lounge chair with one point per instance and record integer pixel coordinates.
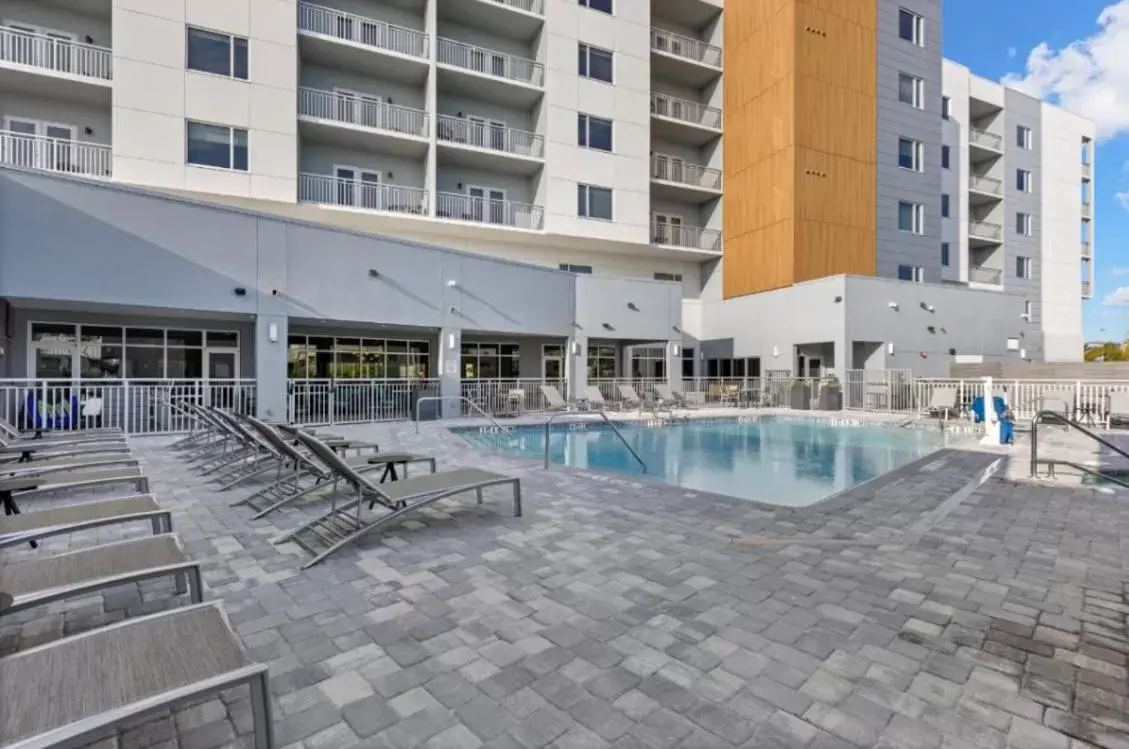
(28, 527)
(629, 398)
(299, 467)
(593, 398)
(19, 488)
(63, 466)
(82, 688)
(1117, 408)
(670, 398)
(554, 398)
(40, 580)
(344, 523)
(1059, 401)
(9, 435)
(942, 403)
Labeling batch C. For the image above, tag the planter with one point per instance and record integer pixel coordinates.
(830, 399)
(800, 397)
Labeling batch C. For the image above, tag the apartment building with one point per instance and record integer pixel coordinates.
(579, 138)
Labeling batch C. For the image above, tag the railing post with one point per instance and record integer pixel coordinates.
(1035, 445)
(126, 411)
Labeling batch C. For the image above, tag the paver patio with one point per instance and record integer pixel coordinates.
(921, 610)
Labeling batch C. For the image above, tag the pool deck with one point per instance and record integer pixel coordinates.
(942, 605)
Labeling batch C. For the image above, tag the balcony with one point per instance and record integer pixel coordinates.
(1087, 251)
(1085, 170)
(664, 234)
(984, 233)
(338, 39)
(501, 213)
(682, 121)
(683, 59)
(474, 144)
(514, 19)
(1087, 210)
(55, 154)
(991, 276)
(327, 190)
(54, 68)
(362, 123)
(481, 73)
(983, 145)
(984, 190)
(1087, 290)
(674, 179)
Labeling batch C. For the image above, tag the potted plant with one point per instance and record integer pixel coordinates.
(830, 393)
(800, 396)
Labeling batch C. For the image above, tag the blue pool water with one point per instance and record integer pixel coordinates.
(777, 461)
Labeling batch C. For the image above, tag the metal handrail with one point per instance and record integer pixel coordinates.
(461, 398)
(1050, 462)
(602, 415)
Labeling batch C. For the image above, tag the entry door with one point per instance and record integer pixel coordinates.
(360, 109)
(60, 51)
(815, 368)
(18, 149)
(487, 205)
(57, 151)
(358, 187)
(668, 229)
(53, 361)
(486, 133)
(552, 368)
(221, 366)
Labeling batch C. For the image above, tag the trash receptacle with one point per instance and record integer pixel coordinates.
(428, 410)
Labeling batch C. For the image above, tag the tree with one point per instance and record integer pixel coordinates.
(1108, 351)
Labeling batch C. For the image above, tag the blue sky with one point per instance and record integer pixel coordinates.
(1075, 53)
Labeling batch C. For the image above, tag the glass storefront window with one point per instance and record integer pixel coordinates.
(601, 362)
(491, 361)
(323, 357)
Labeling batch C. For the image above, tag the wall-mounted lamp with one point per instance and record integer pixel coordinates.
(608, 326)
(675, 328)
(373, 273)
(675, 349)
(892, 305)
(240, 291)
(451, 340)
(1022, 353)
(272, 332)
(931, 329)
(927, 307)
(88, 130)
(890, 348)
(701, 356)
(775, 351)
(453, 310)
(452, 284)
(576, 348)
(838, 299)
(631, 306)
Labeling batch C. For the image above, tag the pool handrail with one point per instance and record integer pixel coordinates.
(602, 415)
(462, 399)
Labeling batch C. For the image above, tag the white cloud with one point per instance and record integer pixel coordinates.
(1119, 297)
(1119, 270)
(1089, 77)
(1123, 198)
(1011, 53)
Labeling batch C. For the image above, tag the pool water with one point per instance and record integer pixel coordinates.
(777, 461)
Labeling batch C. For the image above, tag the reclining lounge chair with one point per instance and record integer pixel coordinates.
(56, 694)
(554, 399)
(669, 398)
(345, 523)
(942, 403)
(29, 526)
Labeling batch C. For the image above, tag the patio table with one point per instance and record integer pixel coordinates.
(11, 485)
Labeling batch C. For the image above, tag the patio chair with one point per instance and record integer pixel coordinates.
(58, 694)
(59, 467)
(300, 466)
(40, 580)
(24, 453)
(18, 488)
(9, 433)
(668, 397)
(29, 527)
(942, 403)
(1117, 408)
(593, 398)
(1059, 401)
(554, 398)
(344, 523)
(629, 398)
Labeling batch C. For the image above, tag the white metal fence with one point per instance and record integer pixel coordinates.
(50, 51)
(355, 401)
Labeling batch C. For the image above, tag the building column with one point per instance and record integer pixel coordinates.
(674, 365)
(576, 366)
(271, 333)
(450, 379)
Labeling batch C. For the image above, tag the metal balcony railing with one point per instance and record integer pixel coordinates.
(324, 189)
(57, 55)
(985, 139)
(1087, 289)
(978, 274)
(691, 237)
(485, 211)
(55, 154)
(675, 170)
(985, 230)
(489, 62)
(1086, 169)
(1086, 209)
(686, 47)
(370, 32)
(352, 110)
(486, 135)
(537, 7)
(1087, 251)
(686, 111)
(986, 185)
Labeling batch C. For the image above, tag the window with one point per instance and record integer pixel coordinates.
(910, 154)
(221, 54)
(944, 107)
(604, 6)
(594, 202)
(601, 362)
(910, 273)
(595, 63)
(911, 90)
(572, 268)
(594, 132)
(1022, 267)
(491, 361)
(911, 27)
(1023, 224)
(325, 357)
(911, 217)
(1023, 180)
(945, 254)
(1023, 137)
(1027, 309)
(668, 277)
(945, 155)
(217, 145)
(944, 205)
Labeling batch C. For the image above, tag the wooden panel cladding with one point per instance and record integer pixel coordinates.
(800, 121)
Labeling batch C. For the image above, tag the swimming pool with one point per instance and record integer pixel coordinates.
(777, 461)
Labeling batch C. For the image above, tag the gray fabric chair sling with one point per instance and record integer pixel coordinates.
(554, 399)
(345, 523)
(301, 466)
(53, 483)
(66, 465)
(30, 526)
(56, 695)
(39, 580)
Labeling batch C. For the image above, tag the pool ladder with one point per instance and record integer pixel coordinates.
(602, 415)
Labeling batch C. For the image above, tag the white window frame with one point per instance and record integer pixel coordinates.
(188, 29)
(672, 224)
(918, 164)
(946, 205)
(584, 4)
(230, 147)
(41, 126)
(918, 35)
(488, 201)
(917, 98)
(1027, 309)
(917, 273)
(918, 218)
(1023, 224)
(359, 183)
(946, 163)
(1028, 180)
(1024, 137)
(946, 255)
(588, 201)
(588, 132)
(588, 66)
(1026, 265)
(485, 127)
